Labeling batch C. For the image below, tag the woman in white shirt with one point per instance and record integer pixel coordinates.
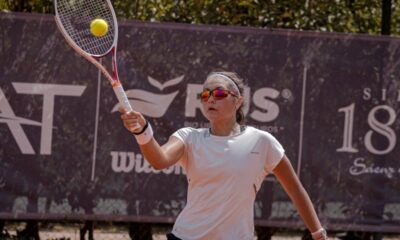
(225, 166)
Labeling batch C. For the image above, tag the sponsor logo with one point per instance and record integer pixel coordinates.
(263, 99)
(362, 166)
(152, 104)
(156, 104)
(49, 93)
(125, 162)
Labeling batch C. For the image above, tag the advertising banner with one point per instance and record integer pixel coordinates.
(332, 100)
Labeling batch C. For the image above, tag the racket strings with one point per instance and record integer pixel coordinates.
(76, 16)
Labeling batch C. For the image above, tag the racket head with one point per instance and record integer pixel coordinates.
(73, 18)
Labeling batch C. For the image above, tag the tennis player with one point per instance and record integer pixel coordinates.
(225, 166)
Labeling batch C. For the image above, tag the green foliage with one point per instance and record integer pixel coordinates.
(37, 6)
(325, 15)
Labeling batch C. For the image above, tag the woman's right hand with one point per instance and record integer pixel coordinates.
(158, 157)
(132, 120)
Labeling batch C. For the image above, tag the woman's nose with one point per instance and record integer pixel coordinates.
(211, 99)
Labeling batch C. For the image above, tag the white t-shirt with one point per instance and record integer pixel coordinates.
(224, 175)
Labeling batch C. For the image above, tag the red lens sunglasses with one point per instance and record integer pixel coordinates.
(217, 94)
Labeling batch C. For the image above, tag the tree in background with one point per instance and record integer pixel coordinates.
(347, 16)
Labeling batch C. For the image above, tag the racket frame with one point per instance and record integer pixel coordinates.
(113, 79)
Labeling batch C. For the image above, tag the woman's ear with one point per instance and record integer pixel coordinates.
(240, 102)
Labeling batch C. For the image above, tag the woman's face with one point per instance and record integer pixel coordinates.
(224, 109)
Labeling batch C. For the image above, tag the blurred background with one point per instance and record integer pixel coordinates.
(351, 46)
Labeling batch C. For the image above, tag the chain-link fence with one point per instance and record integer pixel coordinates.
(44, 230)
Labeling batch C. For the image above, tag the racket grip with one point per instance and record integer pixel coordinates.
(123, 100)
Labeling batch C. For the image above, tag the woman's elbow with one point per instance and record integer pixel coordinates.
(158, 167)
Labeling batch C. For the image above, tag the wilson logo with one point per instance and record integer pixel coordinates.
(125, 162)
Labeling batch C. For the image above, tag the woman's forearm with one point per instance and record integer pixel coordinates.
(305, 208)
(159, 157)
(293, 187)
(164, 156)
(154, 154)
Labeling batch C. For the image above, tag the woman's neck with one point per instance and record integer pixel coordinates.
(225, 129)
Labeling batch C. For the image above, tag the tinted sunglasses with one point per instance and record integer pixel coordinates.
(217, 94)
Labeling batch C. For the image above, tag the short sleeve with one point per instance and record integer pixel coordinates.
(183, 134)
(274, 154)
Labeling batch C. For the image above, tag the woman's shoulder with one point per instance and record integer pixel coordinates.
(259, 132)
(191, 132)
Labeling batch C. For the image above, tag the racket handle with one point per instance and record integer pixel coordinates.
(123, 100)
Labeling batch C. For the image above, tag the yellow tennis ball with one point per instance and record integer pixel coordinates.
(99, 27)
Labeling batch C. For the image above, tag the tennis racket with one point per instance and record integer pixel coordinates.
(73, 18)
